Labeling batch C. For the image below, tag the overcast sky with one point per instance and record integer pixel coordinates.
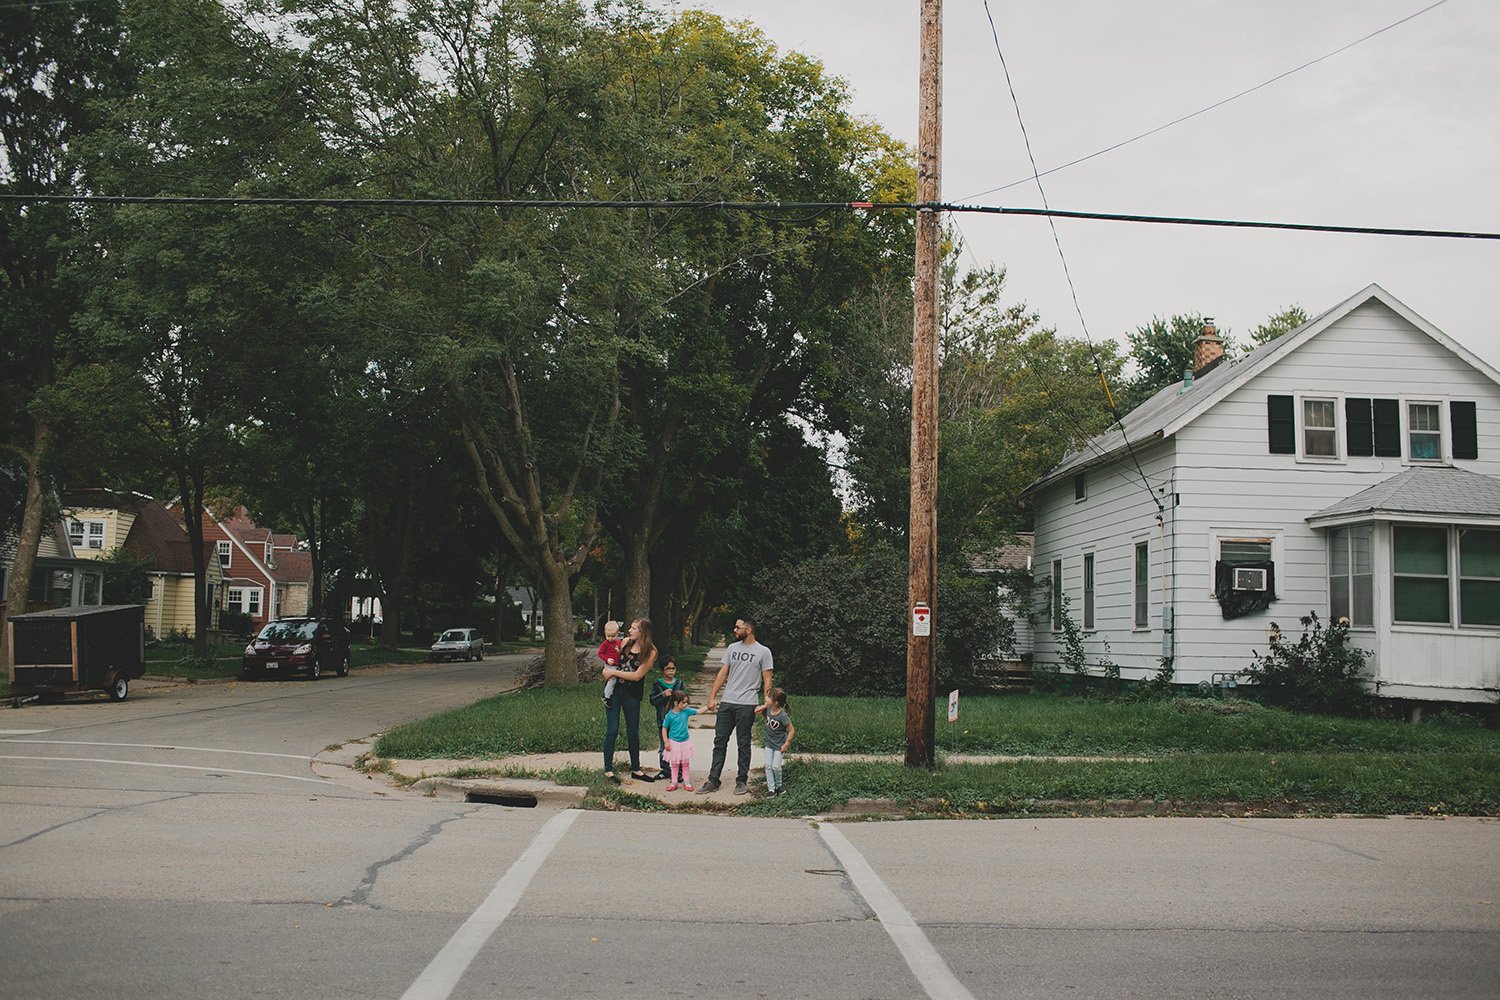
(1402, 130)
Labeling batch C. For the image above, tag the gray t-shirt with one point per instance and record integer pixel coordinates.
(776, 723)
(746, 661)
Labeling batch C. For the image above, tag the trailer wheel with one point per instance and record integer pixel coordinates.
(343, 669)
(119, 687)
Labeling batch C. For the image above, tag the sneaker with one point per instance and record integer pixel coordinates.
(740, 788)
(709, 786)
(688, 787)
(672, 788)
(771, 793)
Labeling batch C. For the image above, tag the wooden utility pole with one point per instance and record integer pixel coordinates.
(921, 649)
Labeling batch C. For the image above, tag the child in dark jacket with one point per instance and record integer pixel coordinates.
(661, 700)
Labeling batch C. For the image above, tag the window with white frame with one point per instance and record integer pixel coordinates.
(1320, 428)
(86, 534)
(1244, 570)
(1057, 595)
(1088, 590)
(1420, 588)
(1351, 574)
(223, 548)
(1142, 585)
(1424, 432)
(1478, 576)
(243, 599)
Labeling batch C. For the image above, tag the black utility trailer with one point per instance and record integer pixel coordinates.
(77, 649)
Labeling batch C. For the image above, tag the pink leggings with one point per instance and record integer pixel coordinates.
(681, 773)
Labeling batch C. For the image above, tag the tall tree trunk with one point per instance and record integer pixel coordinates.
(29, 539)
(190, 485)
(637, 553)
(502, 597)
(559, 658)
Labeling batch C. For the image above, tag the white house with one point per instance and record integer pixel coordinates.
(1348, 468)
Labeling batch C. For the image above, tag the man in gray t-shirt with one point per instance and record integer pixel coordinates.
(745, 678)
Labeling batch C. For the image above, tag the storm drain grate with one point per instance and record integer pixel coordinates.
(519, 800)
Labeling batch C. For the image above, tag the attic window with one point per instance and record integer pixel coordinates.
(1080, 487)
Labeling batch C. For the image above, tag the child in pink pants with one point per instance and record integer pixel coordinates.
(674, 736)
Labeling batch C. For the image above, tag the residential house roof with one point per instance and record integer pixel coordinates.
(291, 567)
(1174, 407)
(1433, 491)
(1016, 555)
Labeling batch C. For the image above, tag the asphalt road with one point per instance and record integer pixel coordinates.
(184, 843)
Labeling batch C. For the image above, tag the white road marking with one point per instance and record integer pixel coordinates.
(926, 964)
(179, 767)
(442, 974)
(22, 732)
(153, 746)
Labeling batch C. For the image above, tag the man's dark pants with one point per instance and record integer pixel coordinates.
(741, 720)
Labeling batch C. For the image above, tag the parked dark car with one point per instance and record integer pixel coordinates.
(308, 646)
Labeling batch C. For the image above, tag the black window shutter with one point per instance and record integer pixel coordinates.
(1359, 426)
(1280, 425)
(1387, 428)
(1465, 426)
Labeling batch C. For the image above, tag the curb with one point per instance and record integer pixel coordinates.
(503, 791)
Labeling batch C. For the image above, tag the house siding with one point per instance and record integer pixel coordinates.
(1221, 479)
(1228, 479)
(1117, 513)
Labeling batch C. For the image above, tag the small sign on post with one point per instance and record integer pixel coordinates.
(921, 620)
(953, 705)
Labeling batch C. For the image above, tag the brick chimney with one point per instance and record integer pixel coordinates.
(1208, 349)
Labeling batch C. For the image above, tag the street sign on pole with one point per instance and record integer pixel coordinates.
(953, 705)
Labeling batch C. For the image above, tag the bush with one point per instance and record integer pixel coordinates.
(234, 622)
(1321, 672)
(838, 624)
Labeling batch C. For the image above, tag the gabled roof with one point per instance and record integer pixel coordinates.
(1014, 556)
(1421, 491)
(160, 535)
(292, 567)
(1174, 407)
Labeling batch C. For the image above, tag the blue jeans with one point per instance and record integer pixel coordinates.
(739, 719)
(632, 709)
(774, 758)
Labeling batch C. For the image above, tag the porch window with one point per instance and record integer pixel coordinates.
(1320, 429)
(1478, 577)
(1142, 585)
(1424, 432)
(1088, 590)
(1351, 574)
(1420, 555)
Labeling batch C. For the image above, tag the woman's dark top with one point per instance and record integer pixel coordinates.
(634, 690)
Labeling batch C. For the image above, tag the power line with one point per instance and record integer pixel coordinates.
(1109, 399)
(741, 206)
(1217, 104)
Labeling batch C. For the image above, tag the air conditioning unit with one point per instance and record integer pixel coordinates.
(1249, 579)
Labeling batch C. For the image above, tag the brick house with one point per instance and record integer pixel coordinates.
(266, 575)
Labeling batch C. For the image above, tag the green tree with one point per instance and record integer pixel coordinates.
(56, 63)
(1013, 398)
(1279, 324)
(189, 301)
(1161, 351)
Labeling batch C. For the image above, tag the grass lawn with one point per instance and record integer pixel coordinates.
(1209, 756)
(1441, 783)
(1046, 725)
(541, 720)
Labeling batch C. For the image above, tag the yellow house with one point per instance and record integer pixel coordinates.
(100, 521)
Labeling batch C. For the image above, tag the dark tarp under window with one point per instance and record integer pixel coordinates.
(1239, 603)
